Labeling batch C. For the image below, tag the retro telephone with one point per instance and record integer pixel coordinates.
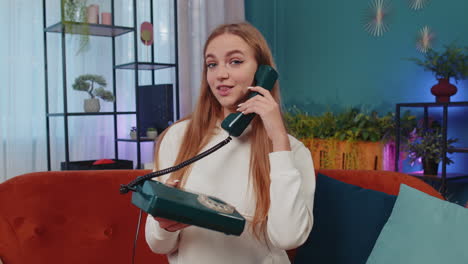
(161, 200)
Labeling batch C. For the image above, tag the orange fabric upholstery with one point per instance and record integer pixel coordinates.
(80, 217)
(382, 181)
(71, 217)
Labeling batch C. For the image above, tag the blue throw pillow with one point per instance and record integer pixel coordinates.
(423, 229)
(347, 222)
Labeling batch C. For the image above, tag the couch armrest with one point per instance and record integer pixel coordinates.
(9, 245)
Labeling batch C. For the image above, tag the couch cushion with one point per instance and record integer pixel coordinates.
(382, 181)
(71, 217)
(347, 221)
(423, 229)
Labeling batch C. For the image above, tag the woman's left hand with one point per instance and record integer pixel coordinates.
(269, 111)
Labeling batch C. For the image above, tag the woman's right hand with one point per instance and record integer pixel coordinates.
(170, 225)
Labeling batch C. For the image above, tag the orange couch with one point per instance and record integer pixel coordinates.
(79, 216)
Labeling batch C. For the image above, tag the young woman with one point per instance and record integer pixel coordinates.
(265, 173)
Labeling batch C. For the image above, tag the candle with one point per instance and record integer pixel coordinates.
(93, 14)
(106, 18)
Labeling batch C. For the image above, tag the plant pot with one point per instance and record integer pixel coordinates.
(430, 167)
(92, 105)
(151, 134)
(133, 135)
(74, 11)
(443, 90)
(335, 154)
(388, 156)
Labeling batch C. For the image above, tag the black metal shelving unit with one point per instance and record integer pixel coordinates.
(94, 29)
(443, 177)
(109, 31)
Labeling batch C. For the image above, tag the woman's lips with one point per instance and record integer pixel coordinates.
(224, 90)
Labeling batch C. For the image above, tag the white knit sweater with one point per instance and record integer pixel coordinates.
(225, 174)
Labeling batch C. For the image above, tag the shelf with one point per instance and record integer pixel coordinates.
(93, 29)
(449, 176)
(445, 107)
(139, 114)
(142, 139)
(433, 104)
(458, 150)
(144, 66)
(91, 114)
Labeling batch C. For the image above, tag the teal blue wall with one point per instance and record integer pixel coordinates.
(328, 62)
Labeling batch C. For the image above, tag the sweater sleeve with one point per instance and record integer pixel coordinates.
(290, 217)
(159, 240)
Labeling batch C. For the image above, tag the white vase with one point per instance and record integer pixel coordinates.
(133, 135)
(92, 105)
(151, 134)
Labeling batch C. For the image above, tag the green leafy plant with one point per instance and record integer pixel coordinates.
(87, 82)
(74, 21)
(74, 10)
(428, 144)
(344, 140)
(149, 129)
(350, 125)
(452, 62)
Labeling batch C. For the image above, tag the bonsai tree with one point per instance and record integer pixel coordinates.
(452, 62)
(87, 84)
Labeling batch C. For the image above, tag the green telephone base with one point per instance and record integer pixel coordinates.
(160, 200)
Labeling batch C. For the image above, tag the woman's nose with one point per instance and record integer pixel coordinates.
(222, 73)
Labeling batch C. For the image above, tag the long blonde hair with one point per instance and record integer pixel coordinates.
(208, 111)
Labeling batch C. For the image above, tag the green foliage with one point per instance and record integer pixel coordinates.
(350, 125)
(74, 11)
(452, 62)
(104, 95)
(86, 83)
(151, 129)
(428, 144)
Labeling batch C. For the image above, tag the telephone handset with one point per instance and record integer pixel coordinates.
(236, 123)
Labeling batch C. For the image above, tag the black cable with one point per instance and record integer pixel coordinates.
(136, 238)
(131, 186)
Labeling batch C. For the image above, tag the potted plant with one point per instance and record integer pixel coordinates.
(353, 139)
(133, 133)
(86, 83)
(74, 21)
(151, 132)
(426, 146)
(450, 63)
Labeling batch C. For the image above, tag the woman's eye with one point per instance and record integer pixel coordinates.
(236, 62)
(210, 65)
